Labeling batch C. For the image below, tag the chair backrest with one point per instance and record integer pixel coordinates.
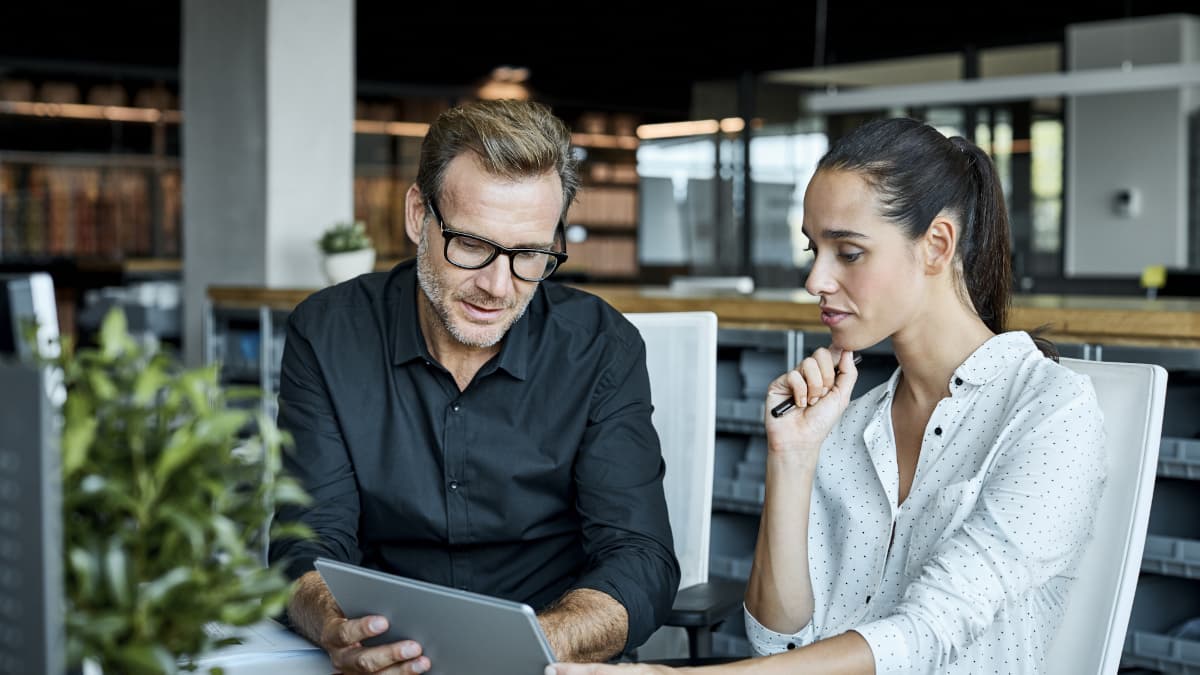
(681, 355)
(1092, 633)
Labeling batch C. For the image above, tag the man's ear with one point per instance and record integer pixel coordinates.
(938, 245)
(414, 214)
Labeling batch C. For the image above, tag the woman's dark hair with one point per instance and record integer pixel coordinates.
(918, 173)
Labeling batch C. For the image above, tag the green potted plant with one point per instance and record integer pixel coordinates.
(348, 251)
(169, 481)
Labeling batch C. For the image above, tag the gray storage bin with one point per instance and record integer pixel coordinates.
(728, 453)
(1173, 509)
(1161, 605)
(1179, 458)
(740, 416)
(759, 369)
(1162, 652)
(731, 545)
(1172, 556)
(729, 379)
(754, 466)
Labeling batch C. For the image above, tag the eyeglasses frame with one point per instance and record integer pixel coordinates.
(450, 234)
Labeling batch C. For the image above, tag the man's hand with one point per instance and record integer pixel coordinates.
(316, 616)
(342, 639)
(602, 669)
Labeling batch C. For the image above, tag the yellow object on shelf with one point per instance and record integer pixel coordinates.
(1154, 276)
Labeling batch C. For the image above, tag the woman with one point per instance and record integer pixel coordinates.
(932, 525)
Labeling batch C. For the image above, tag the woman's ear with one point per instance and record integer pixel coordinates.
(939, 244)
(414, 214)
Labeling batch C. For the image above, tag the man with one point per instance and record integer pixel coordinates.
(462, 421)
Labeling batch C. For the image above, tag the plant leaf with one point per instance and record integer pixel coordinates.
(113, 333)
(116, 572)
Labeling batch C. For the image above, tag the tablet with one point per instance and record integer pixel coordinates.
(462, 633)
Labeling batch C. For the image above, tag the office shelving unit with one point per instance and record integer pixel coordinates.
(1168, 592)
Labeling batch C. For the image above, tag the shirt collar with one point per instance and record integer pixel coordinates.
(994, 357)
(983, 365)
(408, 343)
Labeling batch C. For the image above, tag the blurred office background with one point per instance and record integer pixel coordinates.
(151, 151)
(699, 132)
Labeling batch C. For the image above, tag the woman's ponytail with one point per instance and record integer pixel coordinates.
(984, 242)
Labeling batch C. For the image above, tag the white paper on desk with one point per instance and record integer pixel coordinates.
(264, 643)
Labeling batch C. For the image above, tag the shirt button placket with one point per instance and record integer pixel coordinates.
(456, 505)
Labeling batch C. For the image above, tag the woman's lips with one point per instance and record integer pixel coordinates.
(831, 317)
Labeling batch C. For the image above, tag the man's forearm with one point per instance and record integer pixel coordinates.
(312, 606)
(585, 625)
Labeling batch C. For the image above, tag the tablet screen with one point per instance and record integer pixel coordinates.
(462, 633)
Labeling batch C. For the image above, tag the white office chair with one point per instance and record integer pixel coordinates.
(1092, 633)
(681, 355)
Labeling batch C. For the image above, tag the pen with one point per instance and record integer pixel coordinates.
(787, 405)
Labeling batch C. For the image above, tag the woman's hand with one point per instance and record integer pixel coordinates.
(821, 396)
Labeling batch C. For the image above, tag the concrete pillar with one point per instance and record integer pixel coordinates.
(268, 143)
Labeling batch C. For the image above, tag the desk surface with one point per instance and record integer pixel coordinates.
(1172, 322)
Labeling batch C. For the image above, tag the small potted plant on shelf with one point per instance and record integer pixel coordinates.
(169, 483)
(348, 251)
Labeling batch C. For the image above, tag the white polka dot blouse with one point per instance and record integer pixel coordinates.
(985, 546)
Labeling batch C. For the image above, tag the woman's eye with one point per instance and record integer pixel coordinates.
(851, 257)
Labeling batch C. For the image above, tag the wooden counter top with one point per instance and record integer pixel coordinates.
(1173, 322)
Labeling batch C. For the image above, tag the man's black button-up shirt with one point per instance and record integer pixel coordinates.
(542, 476)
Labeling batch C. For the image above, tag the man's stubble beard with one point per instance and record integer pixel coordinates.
(440, 297)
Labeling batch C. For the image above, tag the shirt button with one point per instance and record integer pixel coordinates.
(455, 406)
(453, 485)
(958, 381)
(937, 431)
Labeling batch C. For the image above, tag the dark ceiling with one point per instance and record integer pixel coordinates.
(617, 56)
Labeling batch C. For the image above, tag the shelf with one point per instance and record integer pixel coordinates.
(739, 416)
(1161, 652)
(738, 496)
(1172, 556)
(1179, 458)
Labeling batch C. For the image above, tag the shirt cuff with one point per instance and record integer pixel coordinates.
(765, 641)
(889, 646)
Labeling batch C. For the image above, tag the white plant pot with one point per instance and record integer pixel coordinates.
(341, 267)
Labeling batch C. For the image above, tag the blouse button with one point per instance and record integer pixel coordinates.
(937, 430)
(958, 381)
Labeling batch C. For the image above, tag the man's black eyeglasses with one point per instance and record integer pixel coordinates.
(472, 252)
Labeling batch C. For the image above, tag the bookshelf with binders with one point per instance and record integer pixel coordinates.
(83, 206)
